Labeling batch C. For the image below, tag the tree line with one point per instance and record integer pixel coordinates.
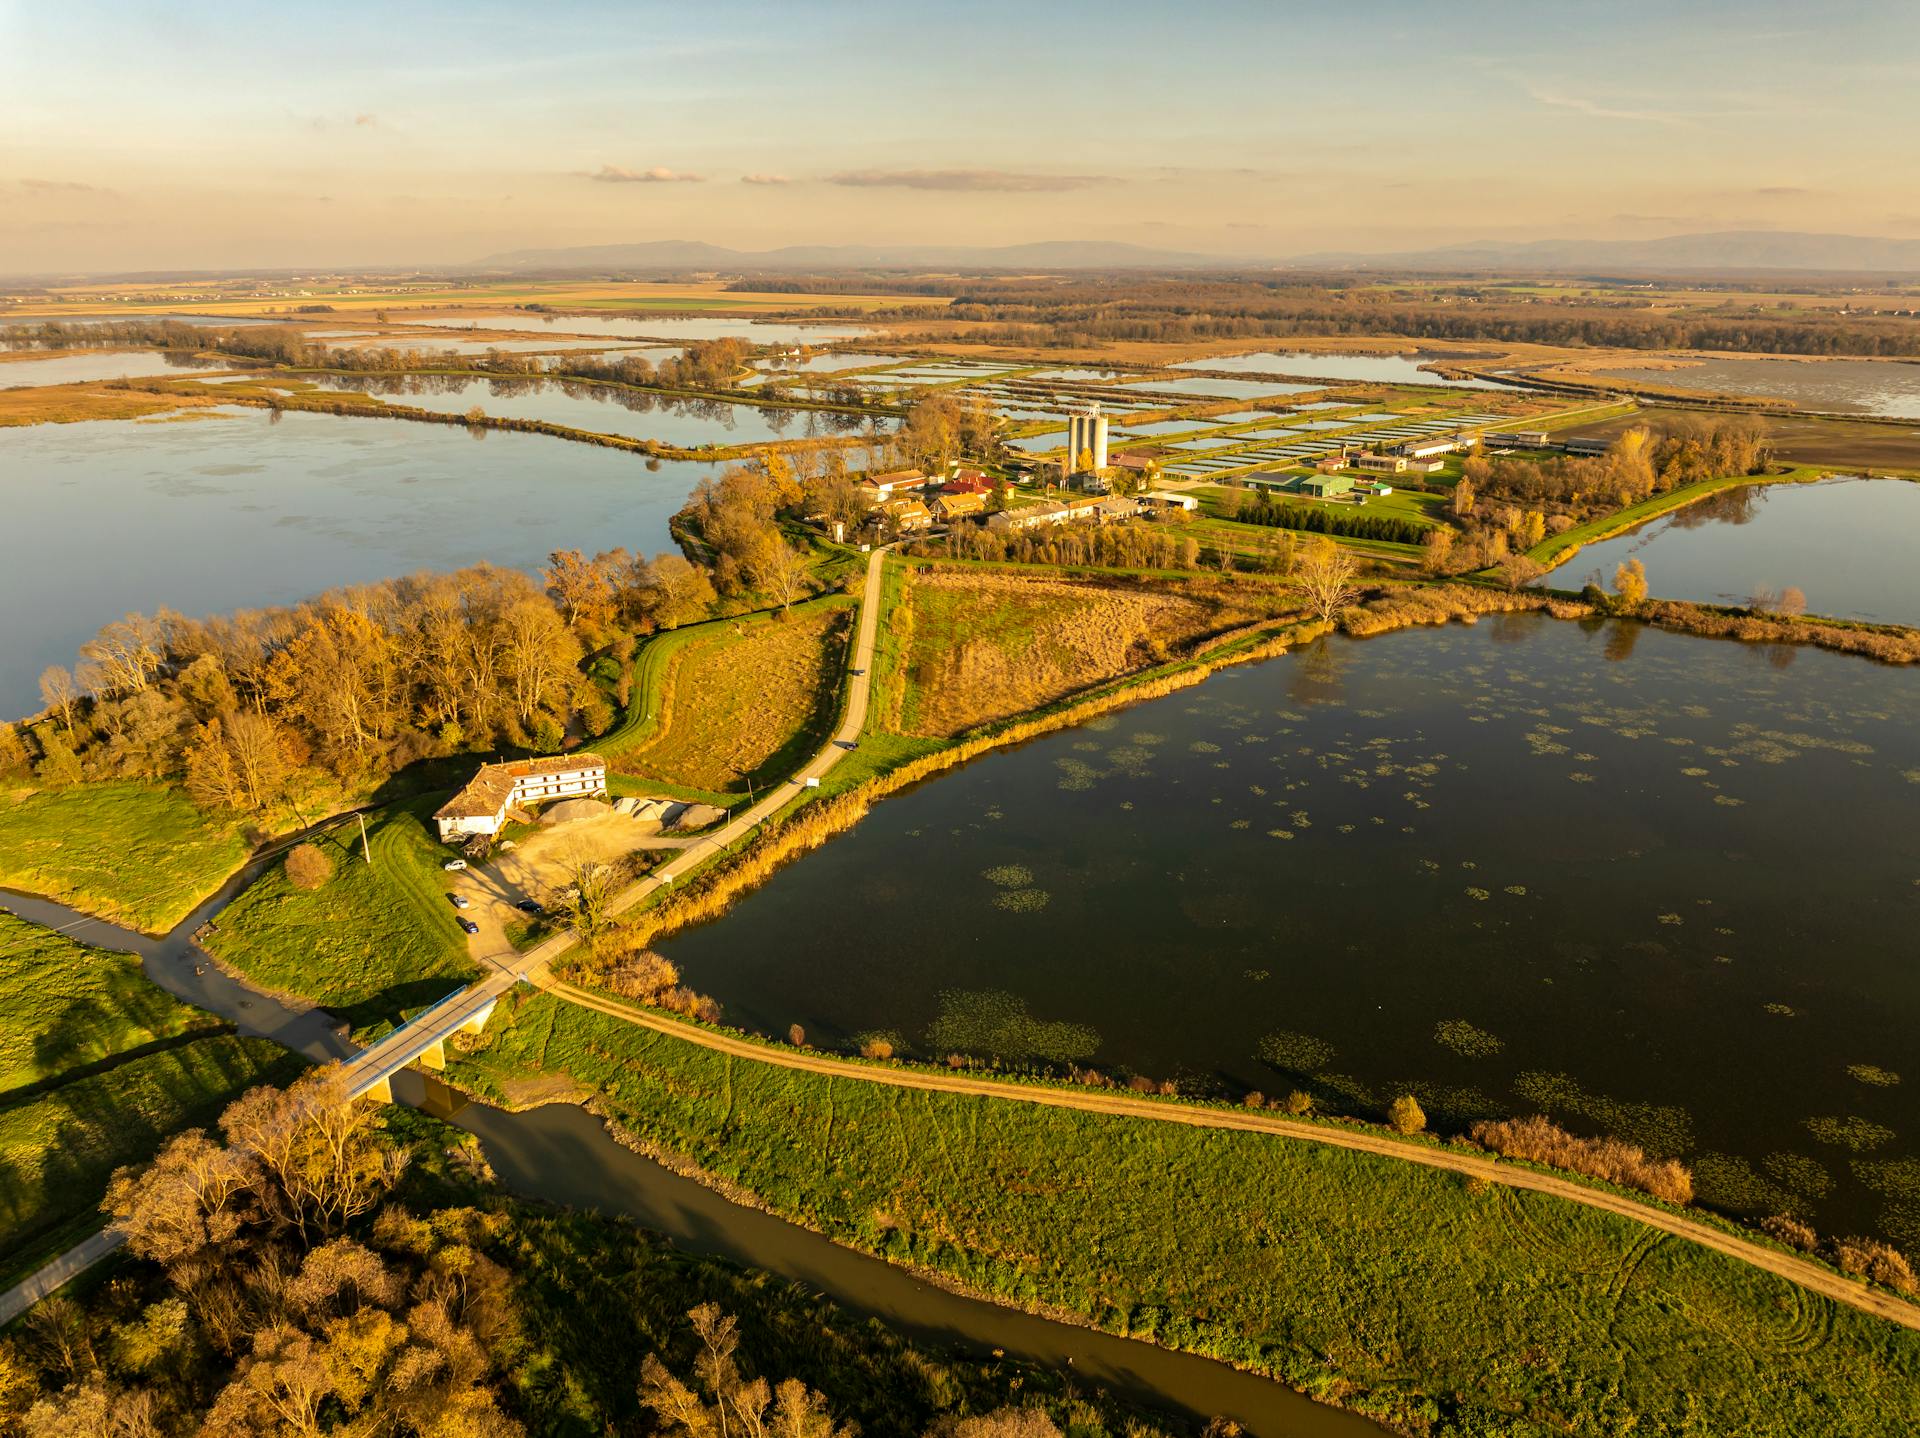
(1258, 508)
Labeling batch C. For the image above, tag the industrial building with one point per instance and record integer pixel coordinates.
(1087, 434)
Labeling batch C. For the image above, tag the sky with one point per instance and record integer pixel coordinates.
(187, 136)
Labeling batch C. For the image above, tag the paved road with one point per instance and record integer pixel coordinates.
(1808, 1275)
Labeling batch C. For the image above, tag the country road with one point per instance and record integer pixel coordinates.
(1808, 1275)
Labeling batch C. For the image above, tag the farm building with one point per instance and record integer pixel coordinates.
(949, 507)
(907, 514)
(1525, 438)
(1428, 448)
(1332, 463)
(1029, 516)
(481, 805)
(1381, 464)
(1586, 448)
(1327, 486)
(1137, 463)
(1169, 499)
(878, 487)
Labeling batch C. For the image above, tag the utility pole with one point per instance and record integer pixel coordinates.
(365, 852)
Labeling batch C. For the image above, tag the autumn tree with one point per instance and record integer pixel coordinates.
(722, 1401)
(236, 762)
(1405, 1114)
(1463, 499)
(582, 587)
(59, 692)
(1630, 584)
(1324, 572)
(586, 899)
(307, 867)
(783, 573)
(124, 656)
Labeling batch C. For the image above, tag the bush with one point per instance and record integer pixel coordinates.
(644, 976)
(876, 1049)
(308, 867)
(1256, 1099)
(1299, 1103)
(1784, 1228)
(1406, 1115)
(1539, 1140)
(1880, 1262)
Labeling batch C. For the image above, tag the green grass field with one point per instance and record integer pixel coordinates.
(67, 1004)
(139, 854)
(1438, 1305)
(374, 941)
(737, 700)
(59, 1147)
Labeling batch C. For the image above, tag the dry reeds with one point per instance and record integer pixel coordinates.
(1539, 1140)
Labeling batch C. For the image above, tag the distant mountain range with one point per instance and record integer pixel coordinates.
(1725, 250)
(1730, 250)
(698, 255)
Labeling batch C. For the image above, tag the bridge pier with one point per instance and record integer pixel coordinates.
(426, 1047)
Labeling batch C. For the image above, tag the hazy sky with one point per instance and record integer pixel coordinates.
(213, 135)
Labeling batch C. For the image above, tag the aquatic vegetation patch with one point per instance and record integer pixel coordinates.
(1296, 1052)
(1008, 876)
(1467, 1040)
(1873, 1074)
(1662, 1130)
(1724, 1181)
(995, 1024)
(1022, 901)
(1850, 1131)
(1803, 1175)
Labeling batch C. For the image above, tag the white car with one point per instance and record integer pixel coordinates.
(454, 865)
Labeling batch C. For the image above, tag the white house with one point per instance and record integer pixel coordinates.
(481, 807)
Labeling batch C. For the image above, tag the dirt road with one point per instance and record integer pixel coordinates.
(1808, 1275)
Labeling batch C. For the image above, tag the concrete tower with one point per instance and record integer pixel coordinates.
(1087, 433)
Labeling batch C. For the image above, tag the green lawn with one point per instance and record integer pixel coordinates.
(59, 1147)
(64, 1004)
(374, 941)
(1442, 1306)
(139, 854)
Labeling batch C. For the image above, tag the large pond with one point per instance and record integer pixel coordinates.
(1372, 369)
(1844, 543)
(1655, 885)
(82, 368)
(648, 326)
(603, 409)
(132, 316)
(1882, 387)
(213, 514)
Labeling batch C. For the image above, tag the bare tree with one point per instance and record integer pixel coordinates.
(1324, 573)
(585, 900)
(58, 691)
(126, 654)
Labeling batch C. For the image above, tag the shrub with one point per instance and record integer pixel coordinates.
(1538, 1139)
(1299, 1103)
(876, 1049)
(1406, 1115)
(797, 1036)
(644, 976)
(1256, 1099)
(1784, 1228)
(1880, 1262)
(308, 867)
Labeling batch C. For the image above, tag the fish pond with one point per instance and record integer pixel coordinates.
(84, 368)
(1853, 386)
(650, 326)
(241, 509)
(602, 408)
(1846, 544)
(1368, 369)
(1653, 885)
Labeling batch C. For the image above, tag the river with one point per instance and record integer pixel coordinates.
(1654, 885)
(1845, 543)
(561, 1154)
(206, 515)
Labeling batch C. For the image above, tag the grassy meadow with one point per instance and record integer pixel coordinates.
(139, 854)
(964, 648)
(374, 940)
(97, 1067)
(721, 704)
(67, 1004)
(1433, 1303)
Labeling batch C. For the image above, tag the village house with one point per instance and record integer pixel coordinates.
(1170, 499)
(906, 514)
(1332, 463)
(877, 488)
(481, 806)
(1381, 464)
(967, 505)
(1028, 516)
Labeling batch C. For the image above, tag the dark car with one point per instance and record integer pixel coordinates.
(470, 926)
(459, 901)
(528, 906)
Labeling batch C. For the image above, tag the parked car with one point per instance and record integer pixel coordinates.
(529, 906)
(470, 926)
(453, 866)
(459, 901)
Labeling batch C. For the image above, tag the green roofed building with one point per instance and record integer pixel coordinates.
(1327, 486)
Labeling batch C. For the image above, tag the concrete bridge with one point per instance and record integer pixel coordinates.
(423, 1038)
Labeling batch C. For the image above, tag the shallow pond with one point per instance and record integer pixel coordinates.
(1218, 388)
(1655, 885)
(645, 325)
(81, 368)
(601, 409)
(212, 514)
(1845, 543)
(1373, 369)
(1861, 386)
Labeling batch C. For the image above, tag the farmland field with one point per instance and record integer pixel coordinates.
(981, 647)
(733, 701)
